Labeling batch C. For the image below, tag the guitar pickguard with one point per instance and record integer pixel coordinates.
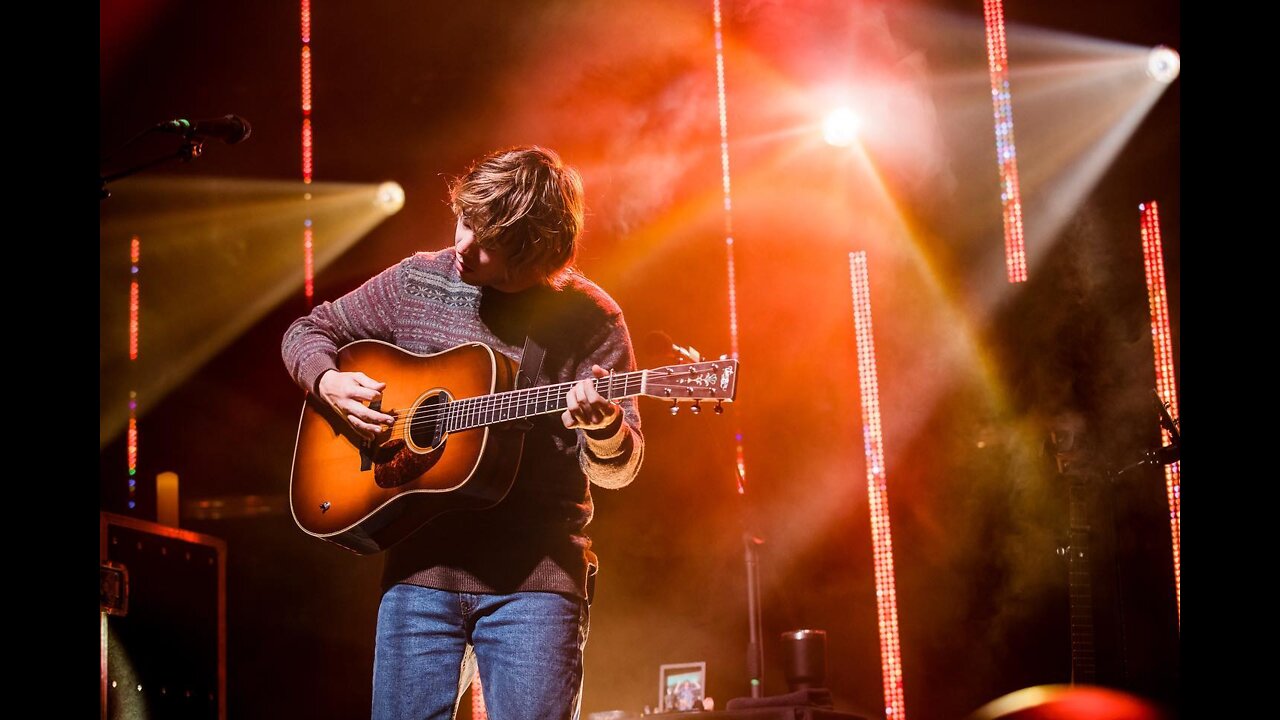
(395, 464)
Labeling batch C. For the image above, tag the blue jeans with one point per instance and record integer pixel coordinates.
(528, 646)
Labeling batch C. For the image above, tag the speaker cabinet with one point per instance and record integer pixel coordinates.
(163, 621)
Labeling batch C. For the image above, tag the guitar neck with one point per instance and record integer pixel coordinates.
(1080, 584)
(468, 413)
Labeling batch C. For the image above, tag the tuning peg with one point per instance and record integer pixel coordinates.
(697, 408)
(719, 407)
(675, 408)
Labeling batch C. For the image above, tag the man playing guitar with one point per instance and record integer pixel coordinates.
(511, 582)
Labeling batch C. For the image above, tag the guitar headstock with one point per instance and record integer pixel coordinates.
(693, 382)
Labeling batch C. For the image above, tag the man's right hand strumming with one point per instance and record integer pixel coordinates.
(349, 394)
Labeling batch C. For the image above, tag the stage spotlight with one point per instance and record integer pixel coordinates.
(1163, 63)
(390, 197)
(841, 127)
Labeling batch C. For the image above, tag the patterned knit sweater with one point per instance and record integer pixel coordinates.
(534, 539)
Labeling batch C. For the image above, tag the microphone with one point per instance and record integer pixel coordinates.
(230, 129)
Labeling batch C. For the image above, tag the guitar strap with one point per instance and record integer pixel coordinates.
(530, 363)
(530, 368)
(527, 376)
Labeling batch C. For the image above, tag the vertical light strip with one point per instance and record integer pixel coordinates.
(135, 257)
(478, 710)
(306, 151)
(1015, 252)
(728, 231)
(1166, 382)
(306, 57)
(877, 493)
(308, 260)
(135, 254)
(307, 160)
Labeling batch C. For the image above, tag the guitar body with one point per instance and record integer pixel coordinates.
(368, 496)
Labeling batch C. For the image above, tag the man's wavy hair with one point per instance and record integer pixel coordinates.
(527, 204)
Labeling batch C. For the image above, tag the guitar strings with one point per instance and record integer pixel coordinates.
(466, 410)
(472, 408)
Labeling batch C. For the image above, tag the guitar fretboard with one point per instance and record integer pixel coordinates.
(1079, 584)
(475, 412)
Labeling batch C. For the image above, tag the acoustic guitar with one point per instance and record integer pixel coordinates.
(455, 443)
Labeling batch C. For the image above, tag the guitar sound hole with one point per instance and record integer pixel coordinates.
(426, 428)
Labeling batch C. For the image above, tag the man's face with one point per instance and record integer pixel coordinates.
(481, 267)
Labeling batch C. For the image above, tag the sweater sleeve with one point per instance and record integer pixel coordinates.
(614, 462)
(311, 343)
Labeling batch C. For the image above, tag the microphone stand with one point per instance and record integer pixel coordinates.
(750, 543)
(190, 149)
(755, 647)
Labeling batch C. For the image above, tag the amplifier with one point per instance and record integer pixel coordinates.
(163, 621)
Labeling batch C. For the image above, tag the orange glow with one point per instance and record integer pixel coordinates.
(306, 21)
(877, 492)
(1063, 702)
(1166, 381)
